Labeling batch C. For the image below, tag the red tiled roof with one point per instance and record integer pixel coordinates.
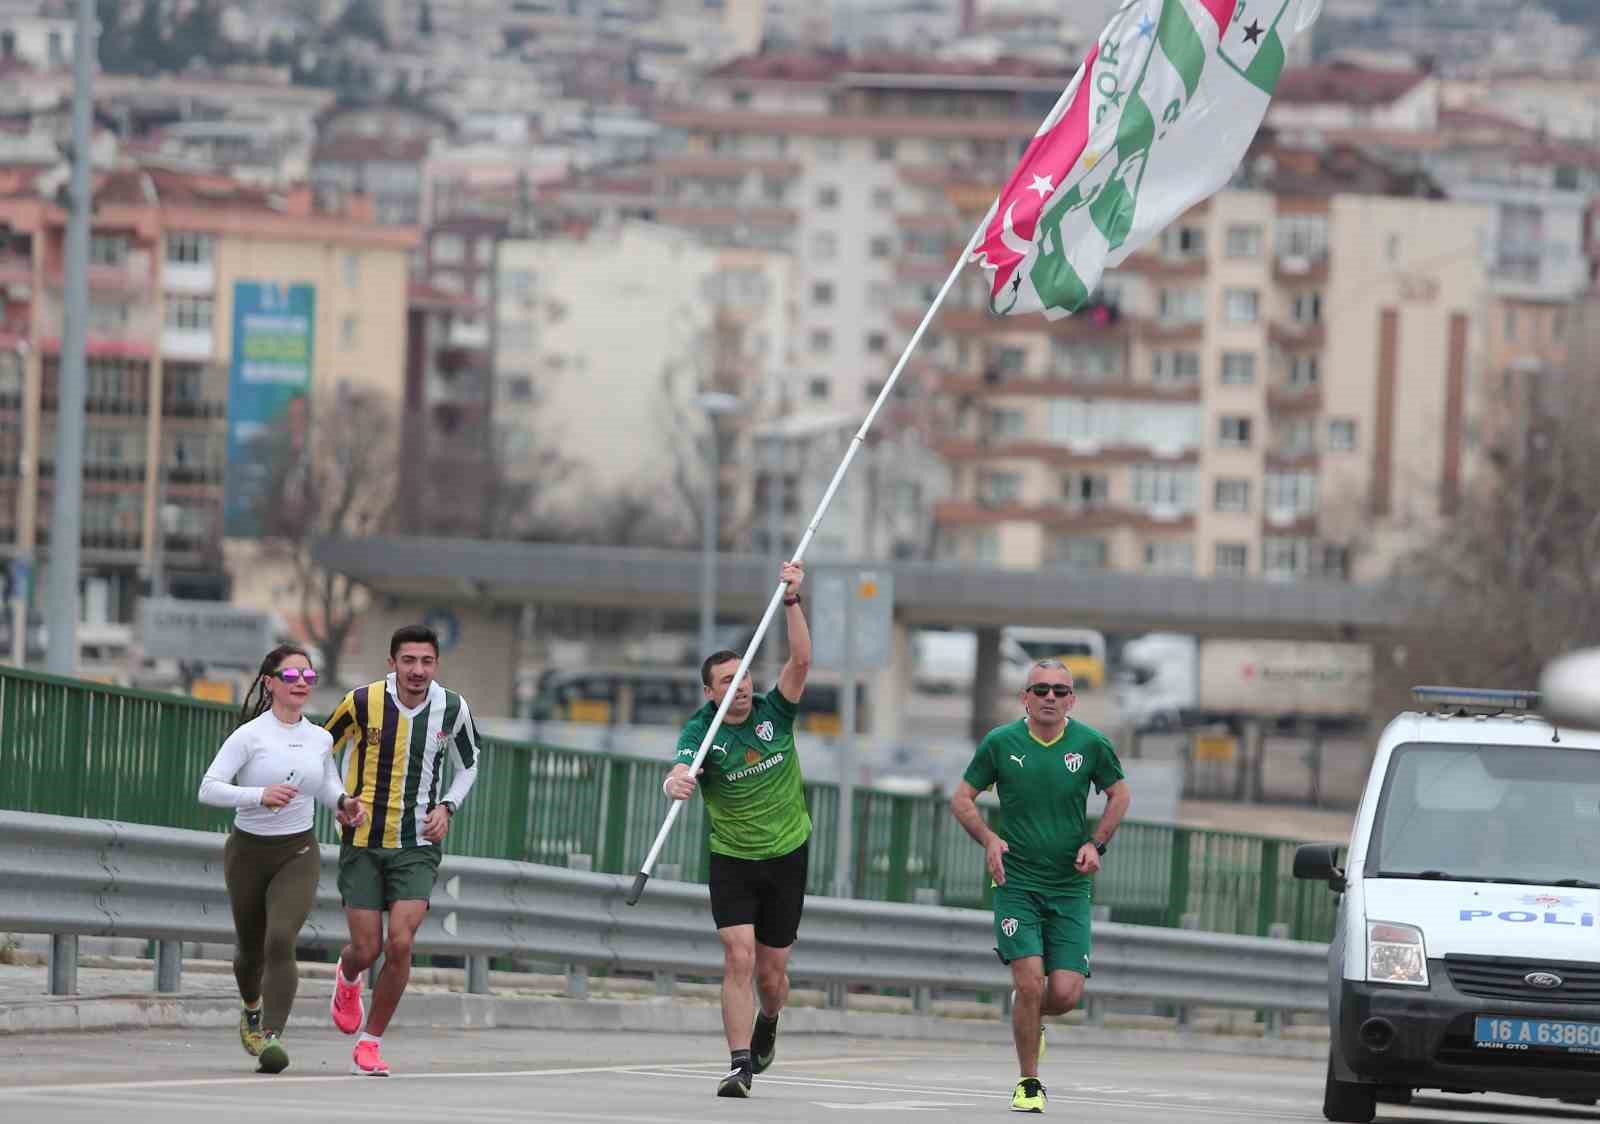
(1346, 84)
(1472, 117)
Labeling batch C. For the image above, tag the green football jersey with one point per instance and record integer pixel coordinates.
(751, 782)
(1044, 794)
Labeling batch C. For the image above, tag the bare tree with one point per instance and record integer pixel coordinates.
(1514, 579)
(342, 482)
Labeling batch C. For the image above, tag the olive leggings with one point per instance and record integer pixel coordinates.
(272, 885)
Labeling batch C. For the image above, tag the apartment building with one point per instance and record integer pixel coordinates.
(170, 254)
(1276, 388)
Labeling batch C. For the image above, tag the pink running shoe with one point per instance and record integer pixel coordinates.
(346, 1007)
(366, 1062)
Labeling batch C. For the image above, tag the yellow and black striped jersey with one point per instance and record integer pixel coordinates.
(394, 759)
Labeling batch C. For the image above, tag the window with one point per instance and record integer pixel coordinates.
(1304, 372)
(189, 314)
(1341, 435)
(1306, 308)
(1181, 305)
(108, 249)
(1003, 423)
(1169, 557)
(997, 488)
(189, 248)
(1290, 494)
(1244, 241)
(1303, 236)
(877, 343)
(827, 197)
(1233, 432)
(741, 98)
(1183, 242)
(519, 388)
(1087, 362)
(1297, 437)
(350, 332)
(1511, 323)
(883, 149)
(822, 292)
(1174, 368)
(1008, 361)
(1238, 368)
(986, 547)
(1521, 249)
(449, 249)
(352, 269)
(1085, 489)
(1079, 553)
(818, 389)
(1162, 489)
(1285, 557)
(1233, 560)
(881, 247)
(1241, 306)
(821, 340)
(110, 318)
(824, 245)
(1232, 495)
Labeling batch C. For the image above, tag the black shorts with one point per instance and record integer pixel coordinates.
(766, 893)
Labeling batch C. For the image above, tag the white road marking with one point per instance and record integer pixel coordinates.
(892, 1106)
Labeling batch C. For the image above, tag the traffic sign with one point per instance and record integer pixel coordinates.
(859, 603)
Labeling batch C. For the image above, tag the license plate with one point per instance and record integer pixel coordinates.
(1536, 1034)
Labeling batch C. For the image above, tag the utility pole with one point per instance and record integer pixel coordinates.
(66, 510)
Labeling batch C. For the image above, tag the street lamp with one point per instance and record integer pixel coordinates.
(713, 404)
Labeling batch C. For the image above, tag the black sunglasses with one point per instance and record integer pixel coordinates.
(1040, 690)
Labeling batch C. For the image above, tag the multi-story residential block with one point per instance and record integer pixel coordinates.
(170, 253)
(1276, 388)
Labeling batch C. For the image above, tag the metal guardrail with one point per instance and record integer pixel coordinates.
(69, 877)
(75, 748)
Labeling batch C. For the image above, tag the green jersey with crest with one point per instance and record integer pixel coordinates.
(751, 781)
(1044, 794)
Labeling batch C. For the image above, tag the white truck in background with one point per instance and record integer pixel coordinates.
(1168, 680)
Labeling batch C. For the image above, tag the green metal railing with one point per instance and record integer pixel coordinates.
(75, 748)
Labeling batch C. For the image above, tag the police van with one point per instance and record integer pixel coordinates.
(1466, 956)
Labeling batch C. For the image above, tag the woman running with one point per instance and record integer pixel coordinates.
(270, 769)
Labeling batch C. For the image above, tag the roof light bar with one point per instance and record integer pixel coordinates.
(1474, 700)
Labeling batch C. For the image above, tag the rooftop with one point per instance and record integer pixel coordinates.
(836, 66)
(1347, 84)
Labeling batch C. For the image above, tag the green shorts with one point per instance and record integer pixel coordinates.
(1054, 926)
(377, 877)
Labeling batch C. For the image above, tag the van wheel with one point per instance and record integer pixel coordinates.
(1348, 1101)
(1394, 1094)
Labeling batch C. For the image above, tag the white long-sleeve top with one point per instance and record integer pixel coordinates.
(265, 751)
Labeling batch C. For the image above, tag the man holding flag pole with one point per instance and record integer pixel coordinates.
(759, 832)
(1156, 119)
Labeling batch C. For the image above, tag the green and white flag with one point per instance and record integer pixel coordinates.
(1156, 119)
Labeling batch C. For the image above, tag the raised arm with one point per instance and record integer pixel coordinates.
(792, 679)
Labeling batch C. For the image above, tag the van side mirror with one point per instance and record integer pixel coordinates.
(1319, 862)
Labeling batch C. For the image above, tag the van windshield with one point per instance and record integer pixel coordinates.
(1490, 813)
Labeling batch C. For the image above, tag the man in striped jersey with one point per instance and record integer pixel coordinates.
(396, 733)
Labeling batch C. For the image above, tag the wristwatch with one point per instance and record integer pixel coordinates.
(792, 599)
(1099, 846)
(448, 806)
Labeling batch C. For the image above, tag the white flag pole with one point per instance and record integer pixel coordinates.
(799, 553)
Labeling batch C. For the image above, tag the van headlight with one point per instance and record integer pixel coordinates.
(1395, 954)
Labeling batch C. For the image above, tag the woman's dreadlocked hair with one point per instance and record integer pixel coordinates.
(257, 700)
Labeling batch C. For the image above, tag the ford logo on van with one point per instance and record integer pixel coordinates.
(1544, 981)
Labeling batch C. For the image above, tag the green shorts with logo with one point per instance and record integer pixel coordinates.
(1054, 926)
(377, 877)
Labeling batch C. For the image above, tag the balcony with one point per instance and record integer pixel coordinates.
(1285, 399)
(1291, 456)
(185, 475)
(1158, 332)
(979, 513)
(193, 409)
(113, 473)
(1287, 521)
(958, 321)
(1301, 269)
(1161, 267)
(1291, 335)
(186, 343)
(468, 335)
(99, 405)
(134, 274)
(1087, 454)
(198, 278)
(1117, 389)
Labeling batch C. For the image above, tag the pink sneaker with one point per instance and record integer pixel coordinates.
(366, 1062)
(346, 1007)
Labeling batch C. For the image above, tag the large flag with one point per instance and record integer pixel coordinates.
(1156, 119)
